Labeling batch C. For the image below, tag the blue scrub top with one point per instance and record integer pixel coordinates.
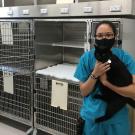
(91, 107)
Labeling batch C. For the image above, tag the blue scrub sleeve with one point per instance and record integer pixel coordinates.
(81, 72)
(130, 63)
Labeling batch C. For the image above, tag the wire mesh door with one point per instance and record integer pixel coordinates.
(16, 69)
(55, 120)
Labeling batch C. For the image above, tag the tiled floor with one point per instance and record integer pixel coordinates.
(9, 130)
(10, 127)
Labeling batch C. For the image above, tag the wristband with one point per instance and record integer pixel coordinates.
(93, 77)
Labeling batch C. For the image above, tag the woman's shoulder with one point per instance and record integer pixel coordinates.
(117, 50)
(120, 52)
(123, 55)
(88, 57)
(88, 54)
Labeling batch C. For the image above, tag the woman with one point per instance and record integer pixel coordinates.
(89, 71)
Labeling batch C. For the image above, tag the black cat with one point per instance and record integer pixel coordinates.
(117, 75)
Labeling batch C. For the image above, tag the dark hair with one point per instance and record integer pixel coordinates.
(108, 23)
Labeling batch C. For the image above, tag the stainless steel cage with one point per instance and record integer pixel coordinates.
(16, 70)
(60, 40)
(52, 119)
(17, 106)
(16, 46)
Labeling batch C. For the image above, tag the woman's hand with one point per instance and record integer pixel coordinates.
(100, 68)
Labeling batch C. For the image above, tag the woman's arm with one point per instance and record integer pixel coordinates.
(87, 86)
(127, 91)
(99, 69)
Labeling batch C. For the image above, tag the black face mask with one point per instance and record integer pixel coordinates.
(104, 44)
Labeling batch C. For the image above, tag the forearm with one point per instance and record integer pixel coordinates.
(99, 69)
(126, 91)
(87, 86)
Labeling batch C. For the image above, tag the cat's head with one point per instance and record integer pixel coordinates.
(102, 54)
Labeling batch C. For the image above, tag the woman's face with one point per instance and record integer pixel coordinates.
(104, 31)
(104, 38)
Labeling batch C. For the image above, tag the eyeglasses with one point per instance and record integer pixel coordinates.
(106, 35)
